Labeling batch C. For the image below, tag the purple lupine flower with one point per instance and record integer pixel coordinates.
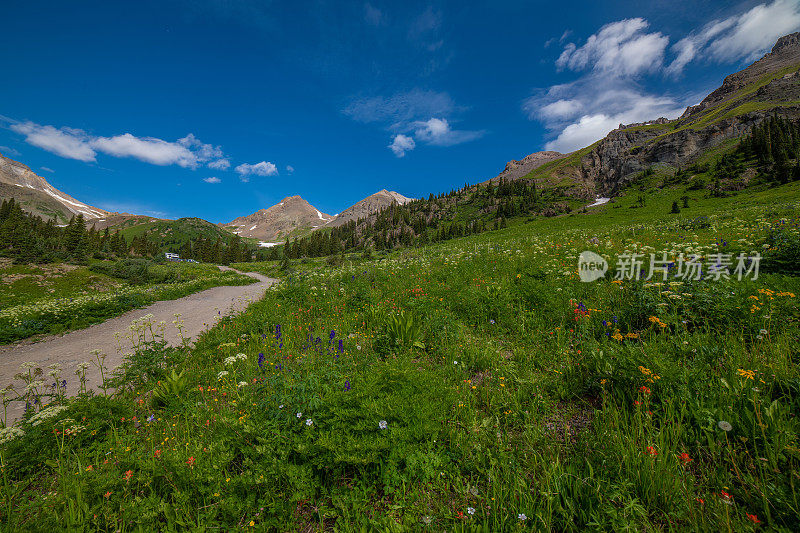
(347, 384)
(332, 335)
(260, 359)
(278, 366)
(277, 331)
(63, 383)
(341, 346)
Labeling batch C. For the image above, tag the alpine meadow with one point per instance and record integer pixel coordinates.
(605, 336)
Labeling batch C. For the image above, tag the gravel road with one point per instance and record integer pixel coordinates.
(198, 311)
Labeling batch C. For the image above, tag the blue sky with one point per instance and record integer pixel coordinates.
(217, 108)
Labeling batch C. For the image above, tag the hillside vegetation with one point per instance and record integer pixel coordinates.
(476, 384)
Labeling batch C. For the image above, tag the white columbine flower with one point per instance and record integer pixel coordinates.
(522, 517)
(309, 422)
(471, 510)
(383, 424)
(299, 414)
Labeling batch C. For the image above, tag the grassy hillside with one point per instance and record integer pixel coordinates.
(170, 235)
(475, 384)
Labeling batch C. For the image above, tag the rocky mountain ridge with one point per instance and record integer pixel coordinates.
(37, 196)
(291, 215)
(367, 206)
(745, 99)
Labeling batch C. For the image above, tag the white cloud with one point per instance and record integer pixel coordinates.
(756, 31)
(212, 179)
(630, 106)
(620, 48)
(290, 169)
(264, 168)
(560, 109)
(437, 132)
(606, 95)
(203, 152)
(66, 142)
(740, 37)
(147, 149)
(220, 164)
(188, 152)
(48, 169)
(402, 144)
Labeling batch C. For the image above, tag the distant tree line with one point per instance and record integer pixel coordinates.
(27, 238)
(467, 211)
(207, 250)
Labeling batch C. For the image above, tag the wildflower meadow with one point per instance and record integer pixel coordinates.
(474, 385)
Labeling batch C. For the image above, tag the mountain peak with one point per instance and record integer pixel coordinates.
(367, 206)
(291, 216)
(787, 41)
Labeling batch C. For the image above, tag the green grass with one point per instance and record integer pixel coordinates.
(507, 388)
(55, 298)
(172, 234)
(27, 283)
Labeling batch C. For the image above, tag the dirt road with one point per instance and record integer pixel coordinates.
(198, 311)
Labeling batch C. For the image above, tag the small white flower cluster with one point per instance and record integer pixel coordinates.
(10, 433)
(32, 386)
(46, 414)
(233, 358)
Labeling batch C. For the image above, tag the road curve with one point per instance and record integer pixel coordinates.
(198, 311)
